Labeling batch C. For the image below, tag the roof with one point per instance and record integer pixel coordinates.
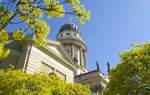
(69, 26)
(90, 77)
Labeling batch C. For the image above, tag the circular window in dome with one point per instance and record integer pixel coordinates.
(68, 33)
(61, 35)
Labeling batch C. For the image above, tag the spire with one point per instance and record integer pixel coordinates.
(97, 65)
(70, 20)
(108, 67)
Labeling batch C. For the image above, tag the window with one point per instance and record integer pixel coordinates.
(69, 51)
(61, 75)
(68, 33)
(46, 68)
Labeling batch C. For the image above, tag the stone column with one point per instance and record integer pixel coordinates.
(85, 60)
(81, 57)
(72, 51)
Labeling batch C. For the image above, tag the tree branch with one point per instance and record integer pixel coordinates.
(4, 25)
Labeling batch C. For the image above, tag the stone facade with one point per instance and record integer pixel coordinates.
(95, 79)
(65, 57)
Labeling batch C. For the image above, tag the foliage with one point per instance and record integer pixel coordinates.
(132, 74)
(30, 14)
(18, 35)
(3, 38)
(19, 83)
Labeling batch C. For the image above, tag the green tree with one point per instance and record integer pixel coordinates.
(19, 83)
(132, 75)
(30, 14)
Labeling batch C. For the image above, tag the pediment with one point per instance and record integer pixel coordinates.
(56, 48)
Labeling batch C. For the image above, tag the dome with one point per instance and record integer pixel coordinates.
(69, 26)
(69, 34)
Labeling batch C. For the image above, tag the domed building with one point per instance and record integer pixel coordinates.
(74, 45)
(66, 57)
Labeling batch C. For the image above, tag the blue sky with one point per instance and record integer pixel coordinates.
(114, 25)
